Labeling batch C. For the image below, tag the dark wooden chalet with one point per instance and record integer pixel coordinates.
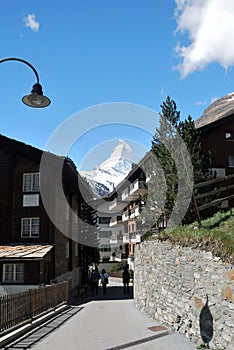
(33, 250)
(216, 127)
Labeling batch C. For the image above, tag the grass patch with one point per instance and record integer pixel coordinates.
(215, 235)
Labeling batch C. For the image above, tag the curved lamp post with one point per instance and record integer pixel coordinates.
(36, 99)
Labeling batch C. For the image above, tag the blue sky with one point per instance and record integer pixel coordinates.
(96, 52)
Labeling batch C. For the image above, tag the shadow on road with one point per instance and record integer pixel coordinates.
(112, 293)
(29, 340)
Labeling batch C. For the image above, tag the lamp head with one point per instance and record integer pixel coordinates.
(36, 99)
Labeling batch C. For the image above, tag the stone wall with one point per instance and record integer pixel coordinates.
(188, 289)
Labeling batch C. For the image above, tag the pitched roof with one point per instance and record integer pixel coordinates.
(24, 251)
(218, 110)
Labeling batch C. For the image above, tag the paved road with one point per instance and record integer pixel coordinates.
(109, 322)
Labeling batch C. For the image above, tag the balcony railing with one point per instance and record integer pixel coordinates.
(132, 237)
(116, 239)
(134, 212)
(137, 187)
(116, 205)
(126, 196)
(116, 221)
(126, 215)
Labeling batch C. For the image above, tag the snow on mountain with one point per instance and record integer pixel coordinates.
(105, 177)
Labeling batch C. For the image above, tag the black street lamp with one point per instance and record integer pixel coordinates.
(36, 99)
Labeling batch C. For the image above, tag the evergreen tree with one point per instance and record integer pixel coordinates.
(163, 144)
(200, 160)
(176, 162)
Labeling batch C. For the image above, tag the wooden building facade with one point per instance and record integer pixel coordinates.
(33, 250)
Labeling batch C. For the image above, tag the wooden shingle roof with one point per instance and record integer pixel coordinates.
(24, 251)
(219, 109)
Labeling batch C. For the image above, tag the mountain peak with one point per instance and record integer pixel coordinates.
(113, 170)
(122, 150)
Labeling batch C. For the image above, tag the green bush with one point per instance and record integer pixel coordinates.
(118, 267)
(105, 259)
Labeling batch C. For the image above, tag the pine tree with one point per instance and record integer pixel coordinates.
(200, 160)
(163, 143)
(176, 162)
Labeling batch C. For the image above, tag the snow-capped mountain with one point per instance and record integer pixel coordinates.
(105, 177)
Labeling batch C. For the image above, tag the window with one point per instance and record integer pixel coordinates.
(228, 136)
(13, 273)
(30, 200)
(231, 161)
(76, 249)
(105, 234)
(67, 250)
(30, 227)
(31, 182)
(104, 220)
(75, 216)
(105, 248)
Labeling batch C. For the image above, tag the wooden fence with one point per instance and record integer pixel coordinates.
(20, 308)
(213, 195)
(215, 191)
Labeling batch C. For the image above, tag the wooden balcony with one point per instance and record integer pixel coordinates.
(126, 196)
(132, 237)
(116, 205)
(137, 188)
(126, 215)
(134, 212)
(116, 221)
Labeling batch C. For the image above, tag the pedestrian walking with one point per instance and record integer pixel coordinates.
(95, 277)
(126, 279)
(104, 280)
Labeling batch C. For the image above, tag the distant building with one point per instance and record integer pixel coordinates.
(125, 207)
(110, 239)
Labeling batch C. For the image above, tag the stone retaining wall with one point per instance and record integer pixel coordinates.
(188, 289)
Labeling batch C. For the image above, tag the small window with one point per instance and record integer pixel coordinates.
(67, 250)
(75, 216)
(30, 200)
(76, 249)
(31, 182)
(30, 227)
(231, 161)
(228, 136)
(13, 273)
(105, 248)
(104, 220)
(105, 234)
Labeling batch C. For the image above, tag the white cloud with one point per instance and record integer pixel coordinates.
(30, 21)
(200, 103)
(210, 28)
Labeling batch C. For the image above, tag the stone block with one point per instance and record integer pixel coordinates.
(227, 293)
(230, 275)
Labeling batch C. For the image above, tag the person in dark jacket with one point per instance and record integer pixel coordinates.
(104, 280)
(95, 277)
(126, 279)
